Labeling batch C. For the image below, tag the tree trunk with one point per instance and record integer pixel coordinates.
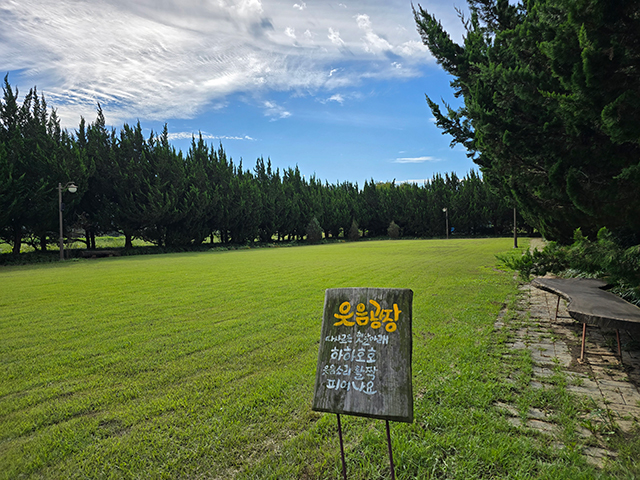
(128, 244)
(91, 239)
(17, 241)
(43, 243)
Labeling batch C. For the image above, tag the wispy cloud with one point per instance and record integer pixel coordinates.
(372, 42)
(419, 181)
(275, 111)
(290, 32)
(334, 36)
(160, 60)
(206, 136)
(417, 159)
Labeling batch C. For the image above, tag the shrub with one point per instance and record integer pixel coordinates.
(394, 230)
(314, 231)
(354, 232)
(603, 258)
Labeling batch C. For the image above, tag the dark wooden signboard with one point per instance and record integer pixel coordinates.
(364, 360)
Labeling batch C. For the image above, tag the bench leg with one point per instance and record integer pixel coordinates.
(619, 349)
(557, 307)
(584, 336)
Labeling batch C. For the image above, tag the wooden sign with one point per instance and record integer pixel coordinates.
(364, 361)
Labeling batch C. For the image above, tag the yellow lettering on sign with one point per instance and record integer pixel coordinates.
(377, 316)
(342, 316)
(362, 317)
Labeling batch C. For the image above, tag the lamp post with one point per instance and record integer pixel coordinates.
(446, 214)
(72, 188)
(515, 229)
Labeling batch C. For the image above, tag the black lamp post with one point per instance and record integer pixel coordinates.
(446, 214)
(72, 188)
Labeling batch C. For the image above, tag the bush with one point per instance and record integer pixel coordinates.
(354, 232)
(394, 230)
(314, 231)
(603, 258)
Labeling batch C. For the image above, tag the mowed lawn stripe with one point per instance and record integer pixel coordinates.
(202, 364)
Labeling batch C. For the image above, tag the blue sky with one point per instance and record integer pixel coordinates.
(336, 88)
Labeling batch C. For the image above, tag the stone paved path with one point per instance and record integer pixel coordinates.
(612, 385)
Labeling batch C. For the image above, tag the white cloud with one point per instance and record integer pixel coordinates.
(411, 48)
(418, 181)
(373, 42)
(206, 136)
(275, 111)
(416, 160)
(336, 98)
(158, 60)
(334, 36)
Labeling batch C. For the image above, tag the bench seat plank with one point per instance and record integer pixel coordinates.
(589, 304)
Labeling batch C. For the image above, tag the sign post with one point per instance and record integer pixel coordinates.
(364, 359)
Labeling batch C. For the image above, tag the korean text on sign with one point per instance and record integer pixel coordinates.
(375, 317)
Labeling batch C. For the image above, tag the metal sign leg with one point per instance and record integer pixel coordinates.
(344, 463)
(393, 468)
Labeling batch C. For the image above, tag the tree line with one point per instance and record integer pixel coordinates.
(141, 187)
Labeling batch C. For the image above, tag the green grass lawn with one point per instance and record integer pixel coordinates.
(202, 365)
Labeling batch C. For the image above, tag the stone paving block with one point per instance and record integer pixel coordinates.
(515, 421)
(564, 359)
(583, 432)
(587, 391)
(578, 380)
(541, 346)
(626, 425)
(536, 414)
(542, 372)
(618, 376)
(627, 390)
(509, 409)
(539, 425)
(597, 456)
(612, 397)
(538, 385)
(630, 399)
(630, 411)
(599, 371)
(543, 357)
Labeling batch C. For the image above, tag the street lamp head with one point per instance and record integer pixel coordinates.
(73, 188)
(444, 209)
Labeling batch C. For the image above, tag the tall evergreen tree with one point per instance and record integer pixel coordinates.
(550, 113)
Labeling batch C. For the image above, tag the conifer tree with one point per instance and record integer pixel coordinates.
(550, 113)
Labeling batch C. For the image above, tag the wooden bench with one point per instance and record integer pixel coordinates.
(590, 304)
